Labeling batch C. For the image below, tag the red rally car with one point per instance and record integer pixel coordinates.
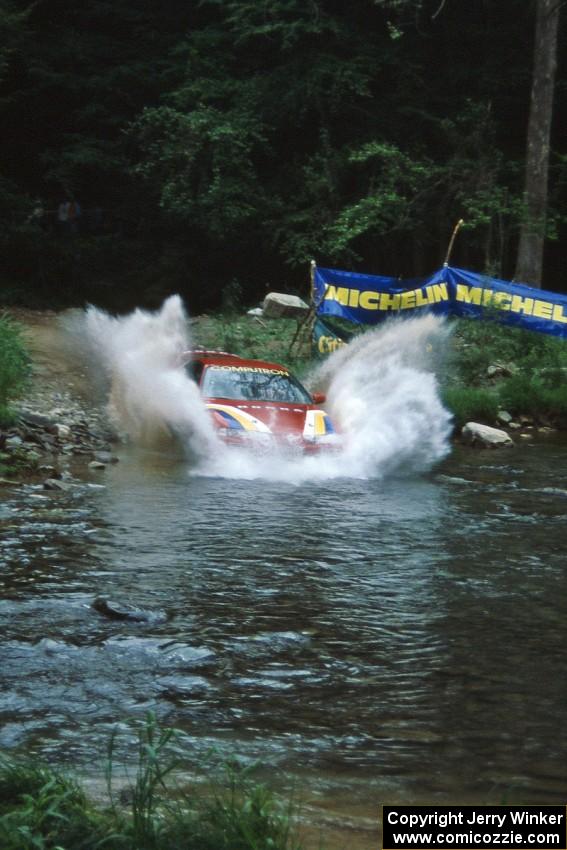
(255, 403)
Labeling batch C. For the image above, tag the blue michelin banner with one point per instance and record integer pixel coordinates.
(367, 299)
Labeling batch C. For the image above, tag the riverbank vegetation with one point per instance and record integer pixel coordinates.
(497, 370)
(14, 366)
(44, 809)
(187, 147)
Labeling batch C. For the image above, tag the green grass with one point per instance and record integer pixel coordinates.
(479, 344)
(535, 395)
(534, 379)
(14, 367)
(42, 809)
(471, 404)
(263, 339)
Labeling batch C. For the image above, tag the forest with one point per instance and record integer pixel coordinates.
(214, 147)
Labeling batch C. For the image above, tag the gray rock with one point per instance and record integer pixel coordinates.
(32, 417)
(96, 464)
(105, 457)
(474, 433)
(499, 370)
(117, 610)
(181, 655)
(278, 305)
(504, 417)
(62, 431)
(181, 687)
(51, 647)
(55, 484)
(13, 442)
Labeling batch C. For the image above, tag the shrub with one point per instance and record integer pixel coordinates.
(14, 365)
(535, 394)
(41, 809)
(479, 343)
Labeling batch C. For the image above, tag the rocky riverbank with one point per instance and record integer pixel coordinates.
(53, 436)
(60, 428)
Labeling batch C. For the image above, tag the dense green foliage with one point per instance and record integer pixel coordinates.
(14, 365)
(495, 367)
(211, 142)
(42, 809)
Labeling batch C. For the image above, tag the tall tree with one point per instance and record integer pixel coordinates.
(532, 233)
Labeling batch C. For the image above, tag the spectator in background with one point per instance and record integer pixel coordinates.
(37, 215)
(63, 217)
(68, 215)
(73, 215)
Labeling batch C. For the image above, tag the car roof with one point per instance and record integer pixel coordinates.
(223, 358)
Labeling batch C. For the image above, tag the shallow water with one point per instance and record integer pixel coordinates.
(373, 640)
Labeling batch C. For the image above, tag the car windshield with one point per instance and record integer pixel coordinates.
(253, 383)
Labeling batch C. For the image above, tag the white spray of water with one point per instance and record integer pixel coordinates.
(382, 394)
(151, 395)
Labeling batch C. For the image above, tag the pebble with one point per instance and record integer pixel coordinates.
(13, 442)
(63, 431)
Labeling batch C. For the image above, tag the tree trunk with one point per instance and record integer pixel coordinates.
(532, 232)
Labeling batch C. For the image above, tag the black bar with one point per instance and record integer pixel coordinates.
(474, 827)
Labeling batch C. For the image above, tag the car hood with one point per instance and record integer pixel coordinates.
(280, 419)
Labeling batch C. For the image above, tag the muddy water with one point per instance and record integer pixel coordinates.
(374, 641)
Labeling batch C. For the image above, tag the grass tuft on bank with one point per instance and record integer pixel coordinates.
(42, 809)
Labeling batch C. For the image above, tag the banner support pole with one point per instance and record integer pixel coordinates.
(456, 229)
(312, 268)
(308, 321)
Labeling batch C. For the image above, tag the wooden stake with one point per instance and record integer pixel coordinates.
(456, 229)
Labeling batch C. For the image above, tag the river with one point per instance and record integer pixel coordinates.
(370, 641)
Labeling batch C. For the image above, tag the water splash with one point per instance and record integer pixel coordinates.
(151, 397)
(382, 393)
(383, 396)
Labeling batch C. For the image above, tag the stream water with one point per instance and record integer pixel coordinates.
(374, 640)
(383, 625)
